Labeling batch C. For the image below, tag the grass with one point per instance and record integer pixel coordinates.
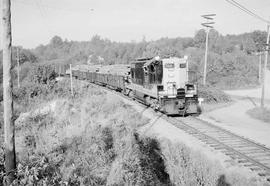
(259, 113)
(213, 95)
(188, 167)
(89, 140)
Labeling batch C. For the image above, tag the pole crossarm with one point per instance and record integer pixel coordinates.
(209, 16)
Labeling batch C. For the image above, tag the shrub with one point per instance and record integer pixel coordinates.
(138, 161)
(2, 168)
(39, 81)
(213, 95)
(262, 114)
(89, 156)
(188, 167)
(38, 171)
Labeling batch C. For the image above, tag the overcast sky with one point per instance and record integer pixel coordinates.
(35, 22)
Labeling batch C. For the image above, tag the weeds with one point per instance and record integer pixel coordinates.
(213, 95)
(188, 167)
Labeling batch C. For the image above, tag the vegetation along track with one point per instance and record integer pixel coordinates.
(244, 151)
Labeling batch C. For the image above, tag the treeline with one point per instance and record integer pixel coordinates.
(232, 61)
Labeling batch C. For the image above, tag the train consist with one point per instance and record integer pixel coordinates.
(162, 84)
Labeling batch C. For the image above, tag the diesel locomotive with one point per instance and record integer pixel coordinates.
(160, 83)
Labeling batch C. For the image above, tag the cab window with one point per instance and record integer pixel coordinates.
(182, 65)
(169, 65)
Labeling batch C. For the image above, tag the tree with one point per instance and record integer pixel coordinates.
(56, 42)
(259, 38)
(199, 38)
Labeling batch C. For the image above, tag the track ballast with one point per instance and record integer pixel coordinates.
(242, 150)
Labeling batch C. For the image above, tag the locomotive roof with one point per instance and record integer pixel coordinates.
(145, 60)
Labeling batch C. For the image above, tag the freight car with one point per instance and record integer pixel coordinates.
(162, 84)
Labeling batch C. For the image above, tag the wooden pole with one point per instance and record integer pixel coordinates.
(18, 67)
(260, 67)
(205, 57)
(71, 83)
(264, 68)
(9, 132)
(59, 72)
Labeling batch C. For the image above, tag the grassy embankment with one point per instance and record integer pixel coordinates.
(92, 139)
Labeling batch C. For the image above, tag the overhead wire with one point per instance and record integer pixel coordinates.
(243, 8)
(256, 15)
(42, 13)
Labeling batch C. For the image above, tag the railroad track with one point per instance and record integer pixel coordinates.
(244, 151)
(248, 153)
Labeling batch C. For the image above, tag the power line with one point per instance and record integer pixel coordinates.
(43, 15)
(241, 7)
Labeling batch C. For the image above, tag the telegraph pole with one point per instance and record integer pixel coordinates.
(18, 67)
(208, 26)
(265, 66)
(71, 83)
(205, 57)
(9, 132)
(260, 67)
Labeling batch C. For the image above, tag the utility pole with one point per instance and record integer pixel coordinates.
(260, 67)
(9, 132)
(71, 83)
(18, 67)
(265, 66)
(208, 26)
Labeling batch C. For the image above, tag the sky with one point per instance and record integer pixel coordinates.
(35, 22)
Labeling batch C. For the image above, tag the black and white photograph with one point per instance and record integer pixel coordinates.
(134, 93)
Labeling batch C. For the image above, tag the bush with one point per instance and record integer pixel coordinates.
(188, 167)
(2, 168)
(262, 114)
(39, 82)
(89, 157)
(213, 95)
(38, 171)
(138, 161)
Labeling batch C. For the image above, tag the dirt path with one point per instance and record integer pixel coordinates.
(235, 119)
(253, 93)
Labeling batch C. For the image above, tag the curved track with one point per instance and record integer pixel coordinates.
(242, 150)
